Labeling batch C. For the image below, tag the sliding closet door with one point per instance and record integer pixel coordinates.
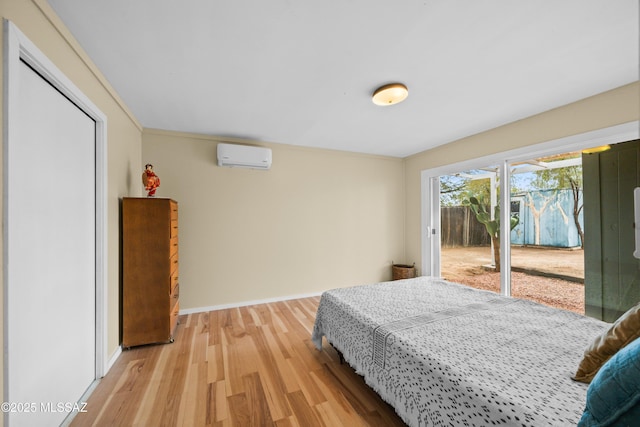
(51, 270)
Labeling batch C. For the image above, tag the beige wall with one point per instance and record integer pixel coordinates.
(621, 105)
(38, 22)
(318, 219)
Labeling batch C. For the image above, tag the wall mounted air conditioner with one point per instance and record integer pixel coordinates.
(244, 156)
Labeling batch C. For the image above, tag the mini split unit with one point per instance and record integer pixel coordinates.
(244, 156)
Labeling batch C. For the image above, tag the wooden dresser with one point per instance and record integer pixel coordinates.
(150, 289)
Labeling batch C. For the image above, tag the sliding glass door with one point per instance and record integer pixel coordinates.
(532, 201)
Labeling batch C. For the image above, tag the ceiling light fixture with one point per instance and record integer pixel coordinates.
(596, 149)
(390, 94)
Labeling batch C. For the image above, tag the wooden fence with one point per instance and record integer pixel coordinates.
(459, 227)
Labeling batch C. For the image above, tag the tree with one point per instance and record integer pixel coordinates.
(575, 189)
(450, 188)
(557, 178)
(454, 190)
(537, 213)
(569, 177)
(492, 225)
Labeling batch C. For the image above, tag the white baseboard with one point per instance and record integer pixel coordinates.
(245, 303)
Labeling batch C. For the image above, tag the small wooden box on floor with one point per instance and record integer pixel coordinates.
(150, 289)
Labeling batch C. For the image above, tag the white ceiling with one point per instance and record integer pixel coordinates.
(302, 72)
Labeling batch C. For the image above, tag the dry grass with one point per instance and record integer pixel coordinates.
(465, 265)
(553, 292)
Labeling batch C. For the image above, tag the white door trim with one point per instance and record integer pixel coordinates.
(18, 47)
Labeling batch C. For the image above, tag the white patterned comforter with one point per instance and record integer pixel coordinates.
(444, 354)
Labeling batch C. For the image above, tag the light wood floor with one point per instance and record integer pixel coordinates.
(247, 366)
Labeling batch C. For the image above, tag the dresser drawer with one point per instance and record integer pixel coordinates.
(174, 317)
(174, 228)
(174, 297)
(173, 282)
(173, 264)
(173, 246)
(173, 211)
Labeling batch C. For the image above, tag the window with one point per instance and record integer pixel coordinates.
(431, 220)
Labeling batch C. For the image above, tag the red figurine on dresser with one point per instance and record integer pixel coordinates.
(150, 180)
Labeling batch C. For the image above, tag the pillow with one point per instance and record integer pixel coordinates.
(622, 332)
(613, 397)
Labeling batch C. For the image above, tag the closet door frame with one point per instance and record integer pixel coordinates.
(17, 48)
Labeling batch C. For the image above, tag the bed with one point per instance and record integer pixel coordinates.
(442, 353)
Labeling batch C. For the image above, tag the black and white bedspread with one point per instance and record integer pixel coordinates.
(445, 354)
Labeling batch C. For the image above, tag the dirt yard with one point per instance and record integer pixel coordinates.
(550, 276)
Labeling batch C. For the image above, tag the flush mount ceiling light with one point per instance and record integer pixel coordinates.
(596, 149)
(390, 94)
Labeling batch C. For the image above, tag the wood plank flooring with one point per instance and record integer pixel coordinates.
(247, 366)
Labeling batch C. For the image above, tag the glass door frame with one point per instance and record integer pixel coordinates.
(430, 190)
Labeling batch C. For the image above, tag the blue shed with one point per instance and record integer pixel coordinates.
(546, 218)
